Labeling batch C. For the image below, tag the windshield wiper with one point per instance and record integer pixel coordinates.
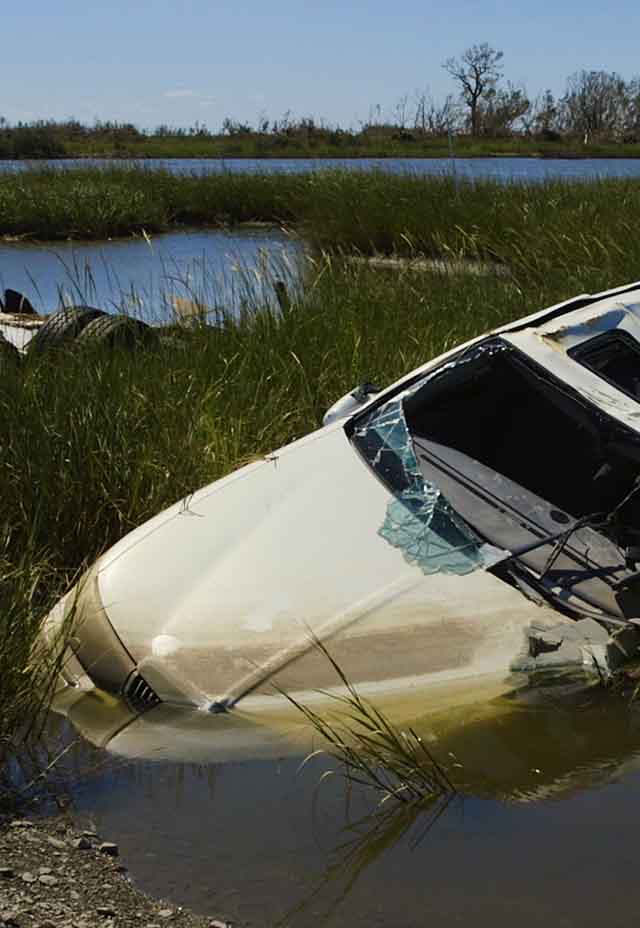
(598, 521)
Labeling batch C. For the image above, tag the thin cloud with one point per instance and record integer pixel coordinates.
(177, 94)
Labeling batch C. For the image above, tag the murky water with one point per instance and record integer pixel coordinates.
(544, 830)
(145, 277)
(526, 169)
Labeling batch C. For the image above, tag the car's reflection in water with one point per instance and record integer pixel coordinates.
(547, 736)
(205, 802)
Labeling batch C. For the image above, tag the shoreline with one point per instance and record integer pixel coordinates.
(256, 226)
(337, 156)
(54, 875)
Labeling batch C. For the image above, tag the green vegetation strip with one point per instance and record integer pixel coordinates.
(305, 139)
(384, 144)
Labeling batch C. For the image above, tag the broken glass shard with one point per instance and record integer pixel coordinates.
(419, 520)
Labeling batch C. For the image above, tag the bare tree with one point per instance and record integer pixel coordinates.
(542, 118)
(632, 121)
(375, 115)
(433, 118)
(400, 111)
(595, 105)
(477, 71)
(420, 117)
(502, 109)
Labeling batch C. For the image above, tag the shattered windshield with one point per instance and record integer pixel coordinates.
(419, 519)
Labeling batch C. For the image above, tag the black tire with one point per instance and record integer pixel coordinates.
(9, 355)
(62, 327)
(116, 331)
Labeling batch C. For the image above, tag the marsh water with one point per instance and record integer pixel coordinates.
(543, 829)
(499, 168)
(146, 276)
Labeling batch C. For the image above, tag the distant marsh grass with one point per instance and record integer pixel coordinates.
(55, 204)
(533, 228)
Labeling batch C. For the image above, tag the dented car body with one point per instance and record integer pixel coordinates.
(477, 518)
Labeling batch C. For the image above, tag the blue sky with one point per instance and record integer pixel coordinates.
(152, 62)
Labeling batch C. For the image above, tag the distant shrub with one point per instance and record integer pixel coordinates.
(31, 142)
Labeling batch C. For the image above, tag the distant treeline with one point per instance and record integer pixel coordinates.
(599, 113)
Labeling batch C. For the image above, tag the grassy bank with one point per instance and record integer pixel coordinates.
(532, 228)
(52, 141)
(95, 204)
(344, 145)
(93, 445)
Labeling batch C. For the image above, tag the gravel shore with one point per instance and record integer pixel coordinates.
(54, 876)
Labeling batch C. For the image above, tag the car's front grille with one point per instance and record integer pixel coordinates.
(139, 693)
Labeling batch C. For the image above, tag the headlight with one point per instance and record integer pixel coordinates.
(80, 621)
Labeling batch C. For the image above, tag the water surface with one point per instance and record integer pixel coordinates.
(499, 168)
(544, 830)
(146, 276)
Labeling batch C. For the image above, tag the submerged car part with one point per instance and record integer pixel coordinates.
(429, 535)
(527, 745)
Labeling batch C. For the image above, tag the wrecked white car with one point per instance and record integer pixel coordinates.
(478, 517)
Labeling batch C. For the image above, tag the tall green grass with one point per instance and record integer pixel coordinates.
(92, 204)
(532, 229)
(28, 585)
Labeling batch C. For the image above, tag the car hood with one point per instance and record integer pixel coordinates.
(235, 585)
(249, 568)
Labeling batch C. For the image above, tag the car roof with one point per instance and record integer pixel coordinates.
(567, 323)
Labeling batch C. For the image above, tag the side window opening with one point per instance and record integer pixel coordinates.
(614, 356)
